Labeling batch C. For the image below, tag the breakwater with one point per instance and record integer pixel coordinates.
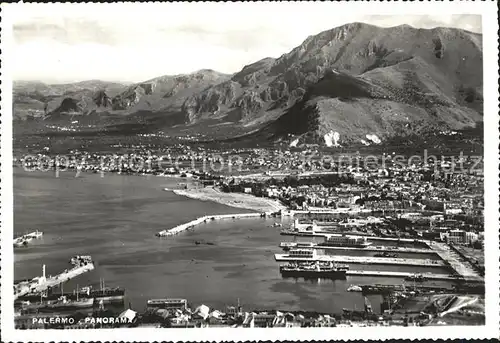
(189, 225)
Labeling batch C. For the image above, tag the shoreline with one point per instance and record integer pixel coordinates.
(237, 200)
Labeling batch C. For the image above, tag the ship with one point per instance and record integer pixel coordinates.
(287, 246)
(416, 278)
(386, 254)
(61, 304)
(354, 288)
(20, 242)
(345, 241)
(297, 255)
(105, 294)
(315, 271)
(35, 234)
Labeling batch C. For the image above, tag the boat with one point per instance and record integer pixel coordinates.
(345, 241)
(386, 254)
(106, 294)
(416, 278)
(35, 234)
(315, 270)
(63, 303)
(301, 254)
(354, 288)
(294, 230)
(19, 242)
(287, 246)
(381, 289)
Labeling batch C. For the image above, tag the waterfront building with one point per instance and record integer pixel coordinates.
(459, 237)
(168, 304)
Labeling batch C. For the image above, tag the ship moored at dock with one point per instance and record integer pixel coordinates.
(314, 270)
(104, 294)
(61, 304)
(345, 241)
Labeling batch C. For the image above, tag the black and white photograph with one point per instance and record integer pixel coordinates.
(192, 169)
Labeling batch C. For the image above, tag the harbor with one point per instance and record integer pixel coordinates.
(239, 248)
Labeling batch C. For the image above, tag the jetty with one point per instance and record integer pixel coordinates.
(42, 283)
(189, 225)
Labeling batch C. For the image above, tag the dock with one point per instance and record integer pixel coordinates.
(364, 260)
(189, 225)
(42, 283)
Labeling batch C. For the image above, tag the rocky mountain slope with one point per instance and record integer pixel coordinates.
(354, 83)
(357, 80)
(163, 93)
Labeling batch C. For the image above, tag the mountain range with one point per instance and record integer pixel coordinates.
(354, 84)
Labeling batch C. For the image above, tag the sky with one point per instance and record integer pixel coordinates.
(61, 43)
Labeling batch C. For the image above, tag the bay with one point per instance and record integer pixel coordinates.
(114, 219)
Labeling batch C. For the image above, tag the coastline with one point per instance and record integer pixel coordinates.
(237, 200)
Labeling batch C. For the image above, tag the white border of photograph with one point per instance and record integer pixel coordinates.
(488, 10)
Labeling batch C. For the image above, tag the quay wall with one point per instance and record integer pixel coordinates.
(468, 259)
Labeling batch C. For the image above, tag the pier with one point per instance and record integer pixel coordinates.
(42, 283)
(189, 225)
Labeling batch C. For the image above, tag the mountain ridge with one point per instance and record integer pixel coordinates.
(402, 79)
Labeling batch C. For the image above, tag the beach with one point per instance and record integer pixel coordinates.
(238, 200)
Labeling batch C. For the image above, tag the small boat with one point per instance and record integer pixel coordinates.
(354, 288)
(386, 254)
(20, 243)
(35, 234)
(416, 278)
